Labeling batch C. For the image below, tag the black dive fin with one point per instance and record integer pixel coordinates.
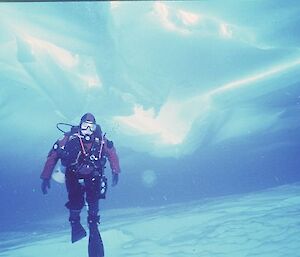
(96, 248)
(78, 232)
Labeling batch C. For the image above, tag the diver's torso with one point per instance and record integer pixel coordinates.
(83, 155)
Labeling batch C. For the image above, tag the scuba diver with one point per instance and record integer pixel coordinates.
(83, 151)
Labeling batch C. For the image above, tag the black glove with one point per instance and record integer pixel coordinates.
(45, 185)
(115, 179)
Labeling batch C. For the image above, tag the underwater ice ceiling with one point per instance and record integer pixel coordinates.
(161, 77)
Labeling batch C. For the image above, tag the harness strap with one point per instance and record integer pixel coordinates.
(101, 146)
(81, 143)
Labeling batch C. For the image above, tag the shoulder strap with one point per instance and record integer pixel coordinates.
(102, 145)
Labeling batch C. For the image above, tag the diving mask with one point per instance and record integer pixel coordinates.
(85, 125)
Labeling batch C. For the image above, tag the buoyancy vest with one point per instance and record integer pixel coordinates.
(75, 154)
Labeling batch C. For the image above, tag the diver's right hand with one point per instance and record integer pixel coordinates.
(45, 185)
(115, 179)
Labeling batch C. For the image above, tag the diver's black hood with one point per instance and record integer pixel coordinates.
(88, 117)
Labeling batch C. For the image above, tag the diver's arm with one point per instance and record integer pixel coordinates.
(111, 154)
(52, 158)
(50, 163)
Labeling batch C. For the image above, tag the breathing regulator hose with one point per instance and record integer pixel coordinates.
(64, 124)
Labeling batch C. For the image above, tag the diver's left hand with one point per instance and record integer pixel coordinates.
(115, 179)
(45, 184)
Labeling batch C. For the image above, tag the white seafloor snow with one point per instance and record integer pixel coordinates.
(264, 223)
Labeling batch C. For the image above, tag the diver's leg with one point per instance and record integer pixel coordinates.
(75, 204)
(77, 230)
(95, 248)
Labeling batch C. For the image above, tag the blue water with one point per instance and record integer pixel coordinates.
(201, 99)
